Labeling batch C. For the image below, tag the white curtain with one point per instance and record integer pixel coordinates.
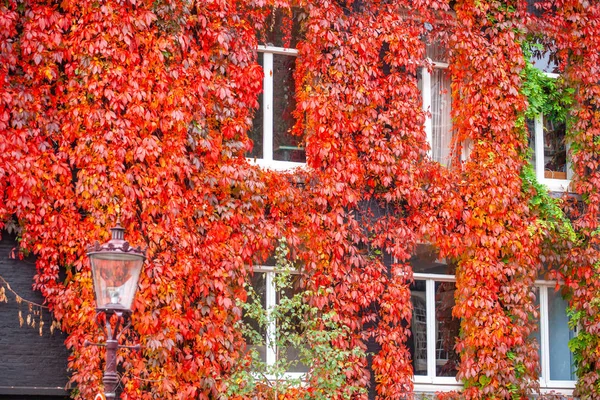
(441, 123)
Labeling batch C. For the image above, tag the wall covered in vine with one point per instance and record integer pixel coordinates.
(141, 110)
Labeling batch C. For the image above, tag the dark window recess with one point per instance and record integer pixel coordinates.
(533, 7)
(283, 28)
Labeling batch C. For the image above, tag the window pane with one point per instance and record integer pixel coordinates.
(555, 149)
(259, 285)
(447, 330)
(256, 133)
(441, 122)
(561, 359)
(531, 131)
(417, 342)
(545, 61)
(436, 51)
(291, 327)
(285, 146)
(543, 53)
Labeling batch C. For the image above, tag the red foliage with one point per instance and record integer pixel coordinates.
(141, 109)
(573, 28)
(498, 258)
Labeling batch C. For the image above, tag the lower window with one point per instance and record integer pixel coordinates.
(434, 329)
(556, 360)
(268, 333)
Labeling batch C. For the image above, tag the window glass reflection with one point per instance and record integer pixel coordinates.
(555, 149)
(286, 147)
(447, 330)
(537, 334)
(418, 341)
(531, 131)
(256, 133)
(436, 51)
(441, 121)
(561, 359)
(292, 326)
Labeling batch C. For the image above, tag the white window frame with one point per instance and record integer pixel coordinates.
(556, 185)
(267, 95)
(271, 328)
(546, 384)
(431, 382)
(267, 160)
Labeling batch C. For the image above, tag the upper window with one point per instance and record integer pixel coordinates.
(437, 103)
(547, 129)
(274, 145)
(550, 151)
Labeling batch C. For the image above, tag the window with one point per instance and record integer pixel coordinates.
(550, 152)
(434, 329)
(270, 354)
(556, 360)
(274, 146)
(548, 132)
(437, 101)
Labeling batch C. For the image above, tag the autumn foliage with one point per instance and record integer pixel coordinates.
(141, 109)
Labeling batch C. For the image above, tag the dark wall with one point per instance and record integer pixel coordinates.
(30, 364)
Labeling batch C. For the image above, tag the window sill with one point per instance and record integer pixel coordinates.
(553, 387)
(556, 185)
(276, 165)
(557, 386)
(436, 387)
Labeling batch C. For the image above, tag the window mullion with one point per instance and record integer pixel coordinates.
(544, 337)
(431, 328)
(268, 107)
(271, 302)
(539, 147)
(426, 94)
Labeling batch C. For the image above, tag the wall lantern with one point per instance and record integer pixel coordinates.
(116, 268)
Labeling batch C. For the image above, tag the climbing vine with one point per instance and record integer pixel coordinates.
(571, 28)
(498, 259)
(141, 110)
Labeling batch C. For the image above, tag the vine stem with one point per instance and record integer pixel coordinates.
(18, 297)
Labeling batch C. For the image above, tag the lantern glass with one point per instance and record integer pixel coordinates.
(115, 276)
